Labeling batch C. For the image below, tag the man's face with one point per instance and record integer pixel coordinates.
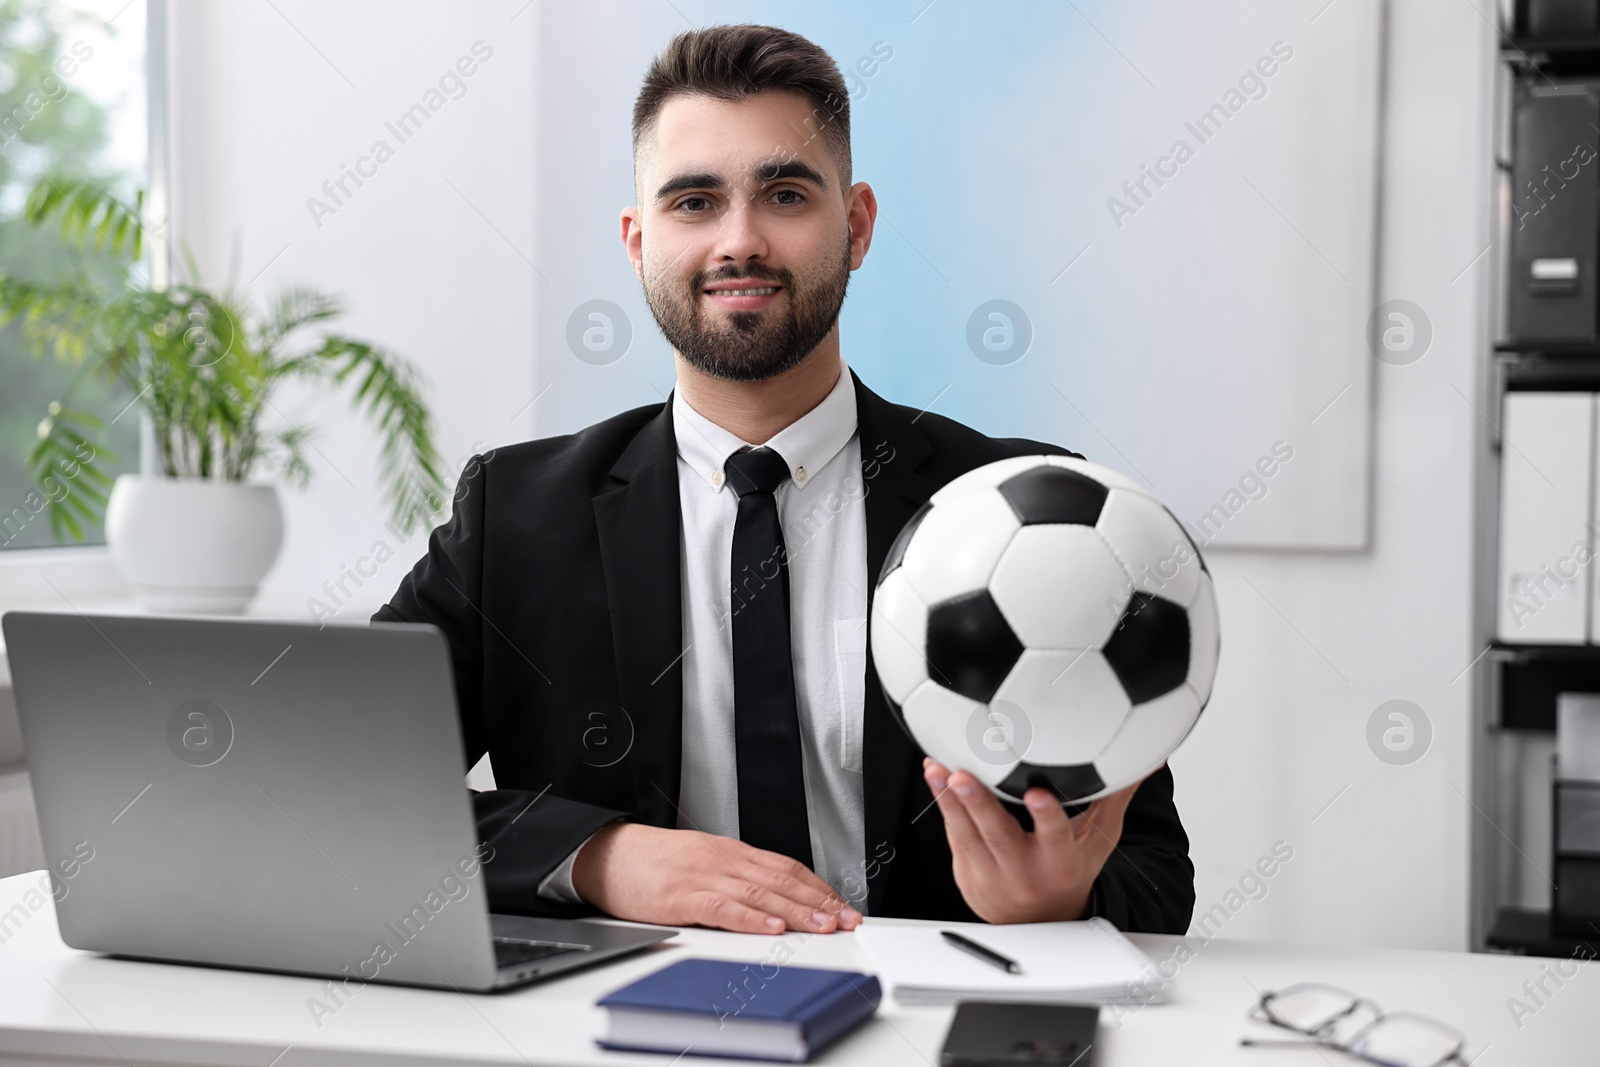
(743, 236)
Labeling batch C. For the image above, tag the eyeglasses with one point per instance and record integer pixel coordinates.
(1328, 1017)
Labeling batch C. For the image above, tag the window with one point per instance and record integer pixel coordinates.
(72, 101)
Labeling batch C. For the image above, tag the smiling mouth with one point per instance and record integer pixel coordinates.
(763, 291)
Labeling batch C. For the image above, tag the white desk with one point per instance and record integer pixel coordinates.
(59, 1006)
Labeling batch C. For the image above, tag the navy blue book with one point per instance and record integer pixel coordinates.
(764, 1011)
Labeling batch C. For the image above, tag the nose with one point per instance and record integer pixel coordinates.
(739, 235)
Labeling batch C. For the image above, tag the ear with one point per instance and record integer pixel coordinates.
(633, 239)
(861, 213)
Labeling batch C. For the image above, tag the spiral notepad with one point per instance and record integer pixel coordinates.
(1088, 962)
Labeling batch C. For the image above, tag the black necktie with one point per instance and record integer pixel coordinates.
(766, 717)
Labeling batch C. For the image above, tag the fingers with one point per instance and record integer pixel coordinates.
(999, 829)
(1101, 825)
(722, 912)
(787, 888)
(795, 915)
(964, 836)
(796, 882)
(1052, 828)
(686, 877)
(765, 893)
(789, 873)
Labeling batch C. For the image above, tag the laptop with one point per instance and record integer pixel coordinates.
(270, 796)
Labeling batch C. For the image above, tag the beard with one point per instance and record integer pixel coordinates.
(749, 346)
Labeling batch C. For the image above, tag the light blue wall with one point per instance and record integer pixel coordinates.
(1186, 340)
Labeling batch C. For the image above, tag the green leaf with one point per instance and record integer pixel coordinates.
(88, 214)
(69, 482)
(204, 365)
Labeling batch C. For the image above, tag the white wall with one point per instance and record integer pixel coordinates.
(1313, 643)
(432, 254)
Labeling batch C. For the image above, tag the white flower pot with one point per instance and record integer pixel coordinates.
(192, 545)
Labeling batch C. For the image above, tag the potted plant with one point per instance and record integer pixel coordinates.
(203, 366)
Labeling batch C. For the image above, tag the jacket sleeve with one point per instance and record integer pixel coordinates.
(1147, 885)
(530, 833)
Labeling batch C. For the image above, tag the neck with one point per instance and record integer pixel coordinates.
(756, 411)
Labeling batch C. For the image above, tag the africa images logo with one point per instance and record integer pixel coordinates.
(199, 732)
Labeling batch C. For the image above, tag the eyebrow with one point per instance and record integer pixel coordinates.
(793, 168)
(684, 182)
(790, 169)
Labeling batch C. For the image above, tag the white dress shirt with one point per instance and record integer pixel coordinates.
(823, 512)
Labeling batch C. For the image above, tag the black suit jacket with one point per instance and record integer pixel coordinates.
(557, 582)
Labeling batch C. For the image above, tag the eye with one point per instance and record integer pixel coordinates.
(788, 197)
(694, 205)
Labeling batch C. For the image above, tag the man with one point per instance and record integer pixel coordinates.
(658, 625)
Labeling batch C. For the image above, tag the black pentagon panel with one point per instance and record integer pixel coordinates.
(897, 550)
(971, 647)
(1068, 782)
(1054, 494)
(1149, 649)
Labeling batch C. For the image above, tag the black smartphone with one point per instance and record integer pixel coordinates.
(989, 1034)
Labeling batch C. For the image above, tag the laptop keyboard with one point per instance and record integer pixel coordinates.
(510, 952)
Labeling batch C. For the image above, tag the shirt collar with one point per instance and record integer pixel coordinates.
(806, 445)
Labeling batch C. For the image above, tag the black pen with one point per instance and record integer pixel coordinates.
(984, 953)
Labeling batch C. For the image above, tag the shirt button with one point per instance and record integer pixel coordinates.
(716, 478)
(799, 474)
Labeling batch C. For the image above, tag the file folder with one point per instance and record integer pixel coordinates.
(1546, 536)
(1555, 231)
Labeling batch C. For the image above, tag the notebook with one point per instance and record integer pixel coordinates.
(749, 1010)
(1088, 962)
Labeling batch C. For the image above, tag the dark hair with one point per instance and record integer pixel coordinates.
(735, 62)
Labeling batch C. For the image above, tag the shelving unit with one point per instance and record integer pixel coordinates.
(1555, 56)
(1527, 931)
(1515, 685)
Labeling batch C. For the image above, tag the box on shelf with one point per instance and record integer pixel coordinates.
(1558, 18)
(1546, 547)
(1575, 901)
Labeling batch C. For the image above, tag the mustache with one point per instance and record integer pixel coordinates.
(751, 272)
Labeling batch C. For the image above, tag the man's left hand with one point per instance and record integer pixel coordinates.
(1009, 875)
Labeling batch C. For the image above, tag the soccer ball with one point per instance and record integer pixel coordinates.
(1044, 621)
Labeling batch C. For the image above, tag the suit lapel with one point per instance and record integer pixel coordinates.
(639, 523)
(892, 448)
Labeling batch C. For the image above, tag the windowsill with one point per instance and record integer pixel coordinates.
(38, 575)
(53, 579)
(270, 606)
